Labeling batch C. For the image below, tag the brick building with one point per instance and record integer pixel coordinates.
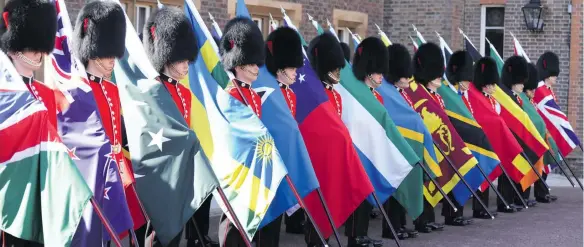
(480, 19)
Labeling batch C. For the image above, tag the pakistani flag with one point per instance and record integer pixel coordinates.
(42, 194)
(173, 176)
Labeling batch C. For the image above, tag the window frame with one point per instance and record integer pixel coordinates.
(484, 27)
(137, 16)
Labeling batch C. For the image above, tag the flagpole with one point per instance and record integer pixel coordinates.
(444, 195)
(233, 216)
(562, 169)
(569, 168)
(535, 170)
(512, 183)
(329, 216)
(108, 227)
(308, 214)
(493, 186)
(396, 239)
(199, 234)
(464, 181)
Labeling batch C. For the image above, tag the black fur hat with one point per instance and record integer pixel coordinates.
(168, 37)
(346, 51)
(325, 54)
(100, 31)
(242, 43)
(399, 63)
(515, 71)
(533, 80)
(485, 73)
(548, 65)
(283, 50)
(370, 57)
(459, 67)
(32, 26)
(428, 63)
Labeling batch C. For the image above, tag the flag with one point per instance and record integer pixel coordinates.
(288, 23)
(471, 49)
(242, 151)
(241, 9)
(169, 165)
(384, 153)
(383, 36)
(446, 138)
(216, 31)
(340, 173)
(414, 44)
(529, 108)
(501, 138)
(288, 139)
(518, 49)
(410, 125)
(273, 25)
(469, 130)
(315, 24)
(42, 194)
(556, 121)
(493, 53)
(79, 114)
(525, 132)
(332, 30)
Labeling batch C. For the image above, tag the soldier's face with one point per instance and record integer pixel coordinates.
(27, 60)
(530, 93)
(375, 80)
(403, 83)
(550, 81)
(106, 65)
(178, 70)
(287, 75)
(517, 88)
(490, 89)
(247, 73)
(464, 85)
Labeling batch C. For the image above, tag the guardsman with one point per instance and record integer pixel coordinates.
(242, 53)
(28, 29)
(369, 66)
(327, 60)
(398, 74)
(514, 75)
(428, 69)
(459, 73)
(548, 67)
(283, 57)
(168, 39)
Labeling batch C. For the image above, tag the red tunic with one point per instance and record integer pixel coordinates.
(180, 94)
(109, 106)
(377, 95)
(252, 99)
(405, 96)
(437, 98)
(334, 98)
(45, 95)
(290, 97)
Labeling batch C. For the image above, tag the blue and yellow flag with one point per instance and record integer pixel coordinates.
(242, 151)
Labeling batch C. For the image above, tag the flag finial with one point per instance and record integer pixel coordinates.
(460, 31)
(415, 29)
(309, 17)
(378, 28)
(437, 34)
(282, 10)
(159, 4)
(211, 17)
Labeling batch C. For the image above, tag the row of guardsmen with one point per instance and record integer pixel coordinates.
(28, 33)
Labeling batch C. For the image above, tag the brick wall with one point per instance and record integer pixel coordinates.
(73, 7)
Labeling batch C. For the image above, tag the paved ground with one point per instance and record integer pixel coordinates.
(559, 224)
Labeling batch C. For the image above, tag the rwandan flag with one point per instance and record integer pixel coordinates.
(340, 173)
(384, 153)
(242, 151)
(469, 130)
(284, 129)
(446, 138)
(410, 193)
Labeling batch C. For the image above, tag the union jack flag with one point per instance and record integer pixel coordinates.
(81, 129)
(556, 121)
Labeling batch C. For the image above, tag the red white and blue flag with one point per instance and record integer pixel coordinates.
(556, 121)
(82, 132)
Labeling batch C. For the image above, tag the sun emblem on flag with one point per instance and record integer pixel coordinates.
(264, 149)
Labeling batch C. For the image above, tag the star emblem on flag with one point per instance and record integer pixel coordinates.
(105, 191)
(157, 139)
(72, 154)
(301, 78)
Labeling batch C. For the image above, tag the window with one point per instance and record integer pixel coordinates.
(263, 23)
(492, 28)
(142, 15)
(259, 22)
(345, 36)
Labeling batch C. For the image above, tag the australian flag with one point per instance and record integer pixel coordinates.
(82, 132)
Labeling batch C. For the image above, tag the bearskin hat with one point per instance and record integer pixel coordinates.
(531, 83)
(459, 67)
(28, 25)
(346, 51)
(283, 50)
(515, 71)
(242, 43)
(428, 63)
(485, 73)
(325, 54)
(100, 31)
(370, 57)
(548, 65)
(169, 37)
(399, 63)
